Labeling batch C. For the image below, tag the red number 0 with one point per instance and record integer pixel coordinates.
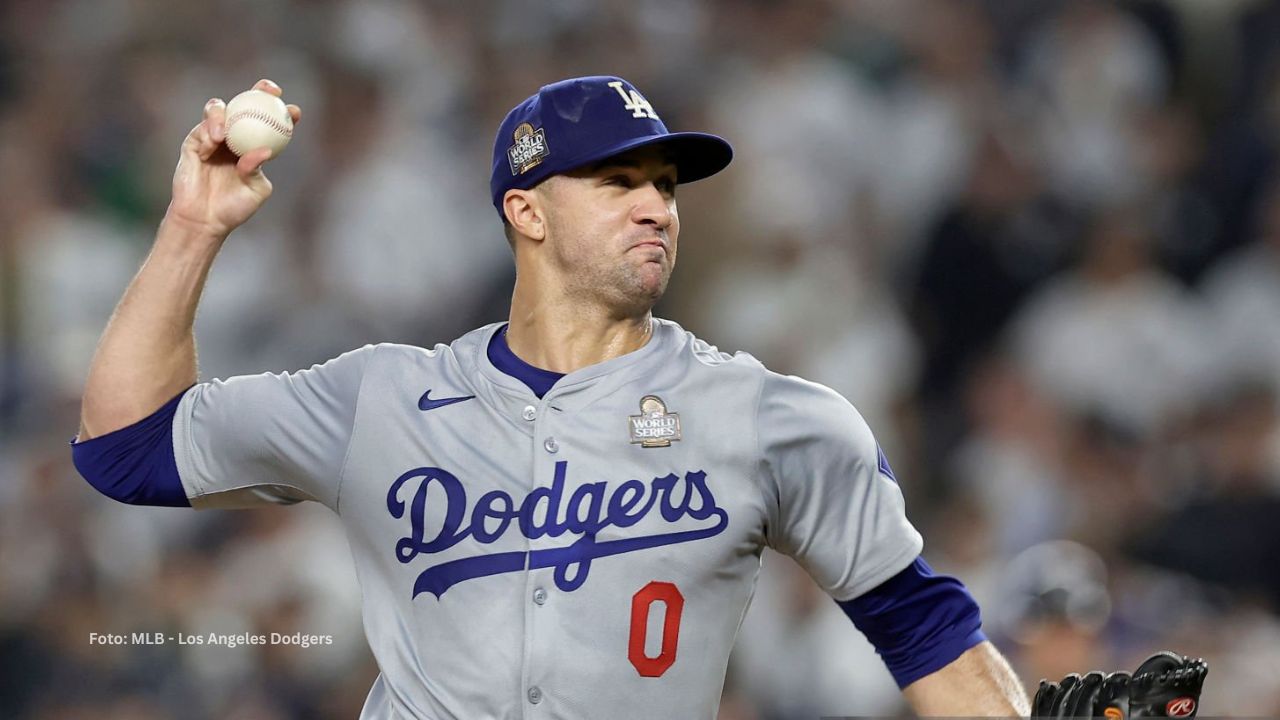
(670, 595)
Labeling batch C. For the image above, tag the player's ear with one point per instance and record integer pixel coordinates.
(524, 213)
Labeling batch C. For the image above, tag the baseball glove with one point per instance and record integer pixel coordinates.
(1165, 685)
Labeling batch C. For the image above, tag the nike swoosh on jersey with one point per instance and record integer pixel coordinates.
(425, 403)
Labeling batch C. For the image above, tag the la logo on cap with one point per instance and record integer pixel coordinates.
(634, 101)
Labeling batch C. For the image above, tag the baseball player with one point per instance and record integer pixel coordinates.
(557, 516)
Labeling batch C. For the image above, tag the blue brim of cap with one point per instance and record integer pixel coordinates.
(696, 155)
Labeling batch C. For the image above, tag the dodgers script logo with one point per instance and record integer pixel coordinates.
(585, 514)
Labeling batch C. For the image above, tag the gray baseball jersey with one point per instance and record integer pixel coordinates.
(588, 554)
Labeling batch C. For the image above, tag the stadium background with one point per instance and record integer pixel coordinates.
(1036, 243)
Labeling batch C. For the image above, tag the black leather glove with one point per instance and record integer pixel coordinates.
(1165, 685)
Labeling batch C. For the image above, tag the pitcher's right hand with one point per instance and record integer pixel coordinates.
(214, 192)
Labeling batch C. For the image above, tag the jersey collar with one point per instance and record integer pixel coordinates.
(500, 356)
(575, 390)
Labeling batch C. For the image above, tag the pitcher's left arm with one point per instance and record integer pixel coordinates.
(978, 683)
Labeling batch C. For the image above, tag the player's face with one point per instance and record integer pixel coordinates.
(613, 228)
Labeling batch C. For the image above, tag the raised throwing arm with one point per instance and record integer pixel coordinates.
(147, 354)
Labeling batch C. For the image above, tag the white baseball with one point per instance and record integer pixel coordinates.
(257, 119)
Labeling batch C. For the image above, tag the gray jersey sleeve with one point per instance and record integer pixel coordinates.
(833, 509)
(272, 438)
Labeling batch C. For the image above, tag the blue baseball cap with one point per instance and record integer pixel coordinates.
(583, 120)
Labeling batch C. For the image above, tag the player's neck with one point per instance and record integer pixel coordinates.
(564, 337)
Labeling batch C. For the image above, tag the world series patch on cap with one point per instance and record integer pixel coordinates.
(579, 121)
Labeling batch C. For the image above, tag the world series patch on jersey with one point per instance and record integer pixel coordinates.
(654, 426)
(587, 554)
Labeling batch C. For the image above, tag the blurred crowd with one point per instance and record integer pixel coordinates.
(1036, 242)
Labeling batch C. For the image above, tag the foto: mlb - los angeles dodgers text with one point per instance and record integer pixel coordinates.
(210, 639)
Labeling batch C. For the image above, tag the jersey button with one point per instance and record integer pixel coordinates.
(530, 412)
(551, 445)
(539, 596)
(535, 695)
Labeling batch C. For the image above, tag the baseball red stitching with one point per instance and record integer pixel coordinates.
(275, 124)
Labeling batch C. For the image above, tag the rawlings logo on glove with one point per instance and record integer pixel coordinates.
(1165, 685)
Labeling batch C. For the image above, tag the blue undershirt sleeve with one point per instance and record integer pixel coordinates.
(135, 464)
(918, 621)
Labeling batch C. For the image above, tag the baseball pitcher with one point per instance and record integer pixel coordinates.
(557, 516)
